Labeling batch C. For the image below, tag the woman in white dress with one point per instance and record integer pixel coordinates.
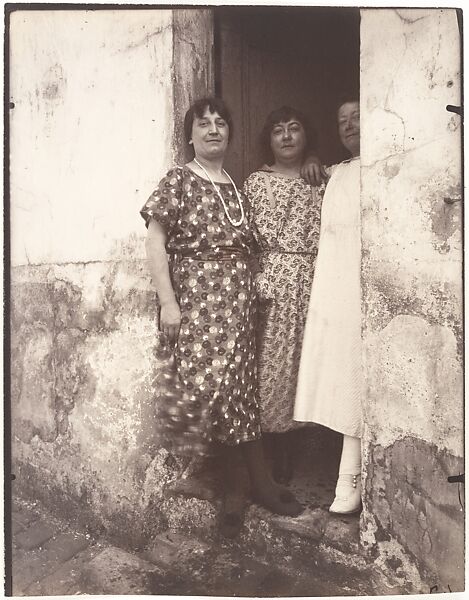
(330, 382)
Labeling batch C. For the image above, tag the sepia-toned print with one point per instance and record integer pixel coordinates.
(234, 271)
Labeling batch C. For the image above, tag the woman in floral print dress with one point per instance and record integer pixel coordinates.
(286, 222)
(207, 300)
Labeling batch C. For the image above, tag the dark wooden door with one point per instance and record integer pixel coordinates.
(267, 57)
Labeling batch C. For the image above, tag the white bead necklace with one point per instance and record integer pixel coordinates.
(228, 216)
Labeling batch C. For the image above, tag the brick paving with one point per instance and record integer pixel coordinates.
(68, 562)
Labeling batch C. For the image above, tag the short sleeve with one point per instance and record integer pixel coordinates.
(249, 185)
(250, 191)
(164, 203)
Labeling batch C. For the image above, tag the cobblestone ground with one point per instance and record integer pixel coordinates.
(315, 554)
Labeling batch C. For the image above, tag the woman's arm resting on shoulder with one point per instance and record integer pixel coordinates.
(314, 171)
(170, 316)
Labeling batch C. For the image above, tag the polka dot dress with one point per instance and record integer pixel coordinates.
(209, 261)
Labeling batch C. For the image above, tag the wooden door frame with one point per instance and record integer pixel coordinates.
(193, 68)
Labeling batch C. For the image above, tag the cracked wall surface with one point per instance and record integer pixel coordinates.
(412, 291)
(92, 132)
(82, 391)
(84, 157)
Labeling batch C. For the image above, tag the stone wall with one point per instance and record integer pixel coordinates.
(412, 291)
(93, 129)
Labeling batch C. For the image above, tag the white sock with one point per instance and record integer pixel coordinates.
(351, 459)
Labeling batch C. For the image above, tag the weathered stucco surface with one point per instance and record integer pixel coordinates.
(92, 131)
(412, 290)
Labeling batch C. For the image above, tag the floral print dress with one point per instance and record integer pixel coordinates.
(211, 276)
(285, 215)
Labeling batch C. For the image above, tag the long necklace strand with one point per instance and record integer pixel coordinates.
(228, 216)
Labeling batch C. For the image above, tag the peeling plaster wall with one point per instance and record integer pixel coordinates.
(91, 129)
(412, 291)
(92, 132)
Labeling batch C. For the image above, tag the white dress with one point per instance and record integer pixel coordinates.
(330, 381)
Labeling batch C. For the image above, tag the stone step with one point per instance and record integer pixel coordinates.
(118, 572)
(274, 556)
(170, 549)
(313, 525)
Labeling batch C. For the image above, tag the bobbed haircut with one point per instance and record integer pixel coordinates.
(198, 108)
(283, 115)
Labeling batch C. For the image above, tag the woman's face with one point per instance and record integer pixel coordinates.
(288, 140)
(349, 127)
(210, 134)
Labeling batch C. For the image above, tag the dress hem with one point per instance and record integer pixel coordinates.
(311, 422)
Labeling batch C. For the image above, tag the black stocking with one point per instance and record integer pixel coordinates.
(235, 490)
(283, 464)
(264, 490)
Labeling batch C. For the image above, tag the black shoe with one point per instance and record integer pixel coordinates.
(231, 519)
(280, 501)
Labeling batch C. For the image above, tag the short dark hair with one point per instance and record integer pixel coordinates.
(198, 108)
(283, 115)
(345, 98)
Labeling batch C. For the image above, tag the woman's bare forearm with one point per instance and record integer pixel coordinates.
(170, 314)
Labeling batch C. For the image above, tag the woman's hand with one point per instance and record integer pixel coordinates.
(263, 287)
(170, 320)
(314, 171)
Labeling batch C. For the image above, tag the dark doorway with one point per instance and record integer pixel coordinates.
(305, 57)
(266, 57)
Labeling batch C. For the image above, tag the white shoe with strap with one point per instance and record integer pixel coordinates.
(347, 495)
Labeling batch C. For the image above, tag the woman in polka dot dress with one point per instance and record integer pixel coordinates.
(199, 218)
